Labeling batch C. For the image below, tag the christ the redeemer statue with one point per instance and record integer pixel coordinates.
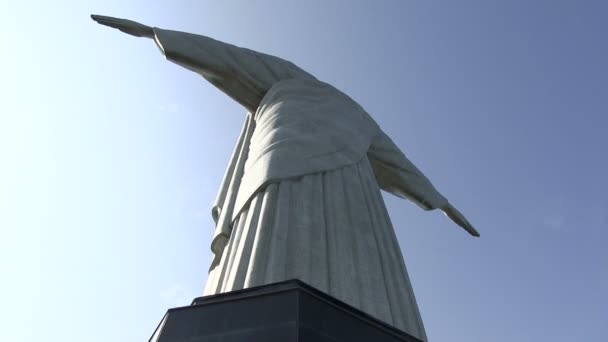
(301, 195)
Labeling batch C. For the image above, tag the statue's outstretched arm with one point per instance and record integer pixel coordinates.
(127, 26)
(399, 176)
(244, 75)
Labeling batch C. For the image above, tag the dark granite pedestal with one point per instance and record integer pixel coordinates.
(286, 311)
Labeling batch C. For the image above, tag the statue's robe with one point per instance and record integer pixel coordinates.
(300, 198)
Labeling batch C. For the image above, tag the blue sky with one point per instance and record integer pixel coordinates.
(110, 157)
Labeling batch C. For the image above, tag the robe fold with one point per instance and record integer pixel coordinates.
(300, 197)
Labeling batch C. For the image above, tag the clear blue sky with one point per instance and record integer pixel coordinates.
(110, 157)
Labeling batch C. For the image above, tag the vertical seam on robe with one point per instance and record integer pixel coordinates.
(394, 285)
(352, 237)
(256, 264)
(414, 324)
(221, 266)
(419, 325)
(234, 241)
(280, 215)
(374, 222)
(288, 229)
(326, 209)
(243, 251)
(325, 230)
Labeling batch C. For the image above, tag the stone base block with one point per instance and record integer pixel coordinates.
(286, 311)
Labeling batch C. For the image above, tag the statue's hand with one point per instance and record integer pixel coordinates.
(127, 26)
(459, 219)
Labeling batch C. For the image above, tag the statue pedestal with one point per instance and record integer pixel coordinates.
(286, 311)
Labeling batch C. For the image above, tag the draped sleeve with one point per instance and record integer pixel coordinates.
(243, 74)
(399, 176)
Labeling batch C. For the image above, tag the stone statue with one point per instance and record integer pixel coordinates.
(301, 195)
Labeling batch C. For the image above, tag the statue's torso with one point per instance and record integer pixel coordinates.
(304, 126)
